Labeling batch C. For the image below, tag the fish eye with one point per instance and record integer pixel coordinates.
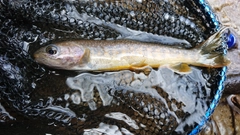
(51, 50)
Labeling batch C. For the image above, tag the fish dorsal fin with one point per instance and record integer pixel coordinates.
(85, 57)
(181, 68)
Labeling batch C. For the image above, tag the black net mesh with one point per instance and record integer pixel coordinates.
(98, 19)
(39, 97)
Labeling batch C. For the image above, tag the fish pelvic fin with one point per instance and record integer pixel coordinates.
(213, 51)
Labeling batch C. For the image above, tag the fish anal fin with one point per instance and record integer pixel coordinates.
(181, 68)
(85, 57)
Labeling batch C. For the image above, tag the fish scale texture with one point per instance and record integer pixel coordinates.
(37, 93)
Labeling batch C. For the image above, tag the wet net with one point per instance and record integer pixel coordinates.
(124, 102)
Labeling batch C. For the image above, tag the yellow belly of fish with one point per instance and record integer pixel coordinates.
(126, 62)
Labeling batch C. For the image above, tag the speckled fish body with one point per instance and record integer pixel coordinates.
(111, 55)
(41, 93)
(92, 55)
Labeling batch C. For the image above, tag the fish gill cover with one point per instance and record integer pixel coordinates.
(124, 102)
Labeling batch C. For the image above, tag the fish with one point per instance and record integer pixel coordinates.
(34, 92)
(113, 55)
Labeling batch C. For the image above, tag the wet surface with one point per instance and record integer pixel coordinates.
(229, 18)
(227, 12)
(225, 119)
(34, 97)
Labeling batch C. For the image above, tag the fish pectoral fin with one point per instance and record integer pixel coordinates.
(142, 68)
(181, 68)
(139, 64)
(85, 57)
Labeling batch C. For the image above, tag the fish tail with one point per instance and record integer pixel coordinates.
(213, 51)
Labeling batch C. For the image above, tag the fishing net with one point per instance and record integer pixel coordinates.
(124, 102)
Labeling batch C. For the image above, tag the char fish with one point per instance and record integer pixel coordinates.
(42, 94)
(92, 55)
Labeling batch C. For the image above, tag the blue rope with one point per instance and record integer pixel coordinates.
(213, 105)
(220, 89)
(210, 15)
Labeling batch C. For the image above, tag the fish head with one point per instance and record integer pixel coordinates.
(59, 56)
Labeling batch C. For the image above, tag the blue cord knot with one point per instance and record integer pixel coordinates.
(231, 41)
